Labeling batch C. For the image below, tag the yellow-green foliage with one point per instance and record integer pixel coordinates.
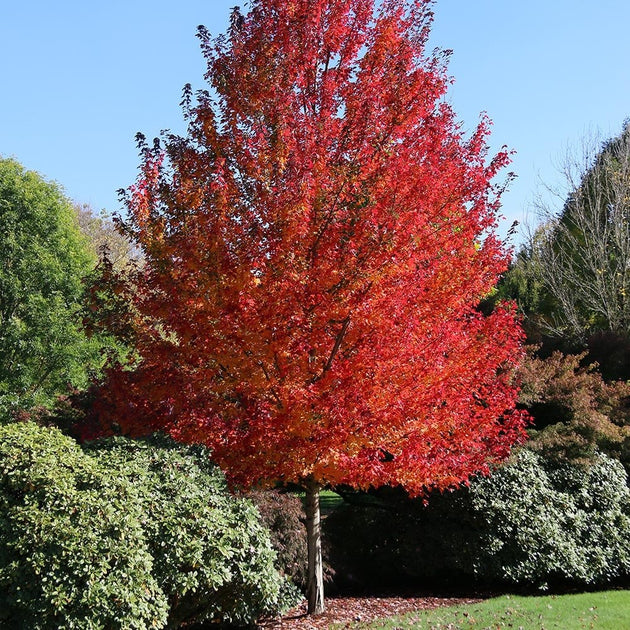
(72, 549)
(212, 556)
(43, 258)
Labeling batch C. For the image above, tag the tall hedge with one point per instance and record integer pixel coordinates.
(533, 522)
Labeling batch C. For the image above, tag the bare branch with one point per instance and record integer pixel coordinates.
(582, 252)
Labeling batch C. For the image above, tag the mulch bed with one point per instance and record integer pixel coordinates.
(345, 610)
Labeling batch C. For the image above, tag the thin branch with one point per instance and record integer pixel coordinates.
(338, 340)
(273, 391)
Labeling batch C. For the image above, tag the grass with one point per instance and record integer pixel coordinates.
(328, 501)
(607, 610)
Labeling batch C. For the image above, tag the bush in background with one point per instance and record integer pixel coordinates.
(533, 522)
(576, 414)
(283, 515)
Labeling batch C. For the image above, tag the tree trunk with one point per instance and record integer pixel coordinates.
(315, 584)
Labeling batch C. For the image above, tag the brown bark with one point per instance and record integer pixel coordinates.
(315, 583)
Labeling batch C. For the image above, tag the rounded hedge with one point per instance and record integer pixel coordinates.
(72, 548)
(212, 555)
(126, 534)
(553, 522)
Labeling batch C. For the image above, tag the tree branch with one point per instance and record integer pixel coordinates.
(338, 339)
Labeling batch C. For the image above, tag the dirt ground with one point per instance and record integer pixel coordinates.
(345, 610)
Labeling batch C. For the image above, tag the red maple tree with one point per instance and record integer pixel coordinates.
(315, 250)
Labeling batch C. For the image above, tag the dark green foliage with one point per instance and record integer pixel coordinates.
(383, 539)
(212, 557)
(523, 283)
(531, 523)
(72, 549)
(75, 414)
(43, 258)
(126, 535)
(611, 352)
(283, 515)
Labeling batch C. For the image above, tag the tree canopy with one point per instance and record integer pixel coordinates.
(573, 276)
(103, 236)
(43, 258)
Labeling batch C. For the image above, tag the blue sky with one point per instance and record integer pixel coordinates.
(79, 79)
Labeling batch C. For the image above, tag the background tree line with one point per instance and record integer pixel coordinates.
(571, 279)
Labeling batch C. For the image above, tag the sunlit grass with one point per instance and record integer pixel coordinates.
(328, 501)
(608, 610)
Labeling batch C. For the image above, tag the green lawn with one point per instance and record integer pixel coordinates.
(608, 610)
(328, 501)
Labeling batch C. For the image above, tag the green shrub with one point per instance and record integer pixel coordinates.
(126, 534)
(72, 549)
(553, 522)
(212, 556)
